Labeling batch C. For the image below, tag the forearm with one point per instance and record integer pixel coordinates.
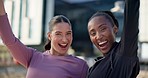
(130, 31)
(131, 20)
(6, 33)
(2, 9)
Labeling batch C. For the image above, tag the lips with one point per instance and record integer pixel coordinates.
(63, 45)
(103, 44)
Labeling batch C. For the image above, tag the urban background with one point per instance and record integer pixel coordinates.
(29, 20)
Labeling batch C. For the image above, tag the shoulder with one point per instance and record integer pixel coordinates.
(37, 54)
(79, 59)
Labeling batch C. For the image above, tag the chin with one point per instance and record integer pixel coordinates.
(62, 51)
(104, 52)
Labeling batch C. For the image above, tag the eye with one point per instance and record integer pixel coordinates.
(57, 33)
(102, 29)
(69, 33)
(92, 33)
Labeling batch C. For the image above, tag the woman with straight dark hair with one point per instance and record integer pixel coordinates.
(55, 62)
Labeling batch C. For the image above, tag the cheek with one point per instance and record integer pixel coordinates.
(92, 39)
(55, 40)
(69, 37)
(108, 32)
(111, 36)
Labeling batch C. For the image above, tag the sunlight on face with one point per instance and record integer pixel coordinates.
(101, 33)
(61, 38)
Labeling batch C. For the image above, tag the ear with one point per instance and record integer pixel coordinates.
(49, 35)
(115, 29)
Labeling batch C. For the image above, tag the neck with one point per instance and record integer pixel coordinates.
(54, 53)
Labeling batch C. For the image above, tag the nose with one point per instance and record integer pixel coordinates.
(64, 39)
(98, 36)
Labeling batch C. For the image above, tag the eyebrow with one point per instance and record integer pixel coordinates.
(69, 31)
(61, 32)
(102, 25)
(57, 32)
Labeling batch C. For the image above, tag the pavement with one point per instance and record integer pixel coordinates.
(12, 72)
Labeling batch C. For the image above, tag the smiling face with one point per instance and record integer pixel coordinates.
(102, 33)
(61, 38)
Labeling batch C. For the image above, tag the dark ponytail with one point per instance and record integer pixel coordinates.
(47, 45)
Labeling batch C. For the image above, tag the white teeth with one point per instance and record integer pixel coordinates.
(102, 42)
(63, 44)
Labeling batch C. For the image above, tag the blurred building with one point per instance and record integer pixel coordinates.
(29, 20)
(79, 12)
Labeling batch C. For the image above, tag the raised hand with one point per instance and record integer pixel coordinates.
(2, 9)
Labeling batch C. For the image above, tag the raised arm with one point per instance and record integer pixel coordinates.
(2, 10)
(129, 39)
(19, 51)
